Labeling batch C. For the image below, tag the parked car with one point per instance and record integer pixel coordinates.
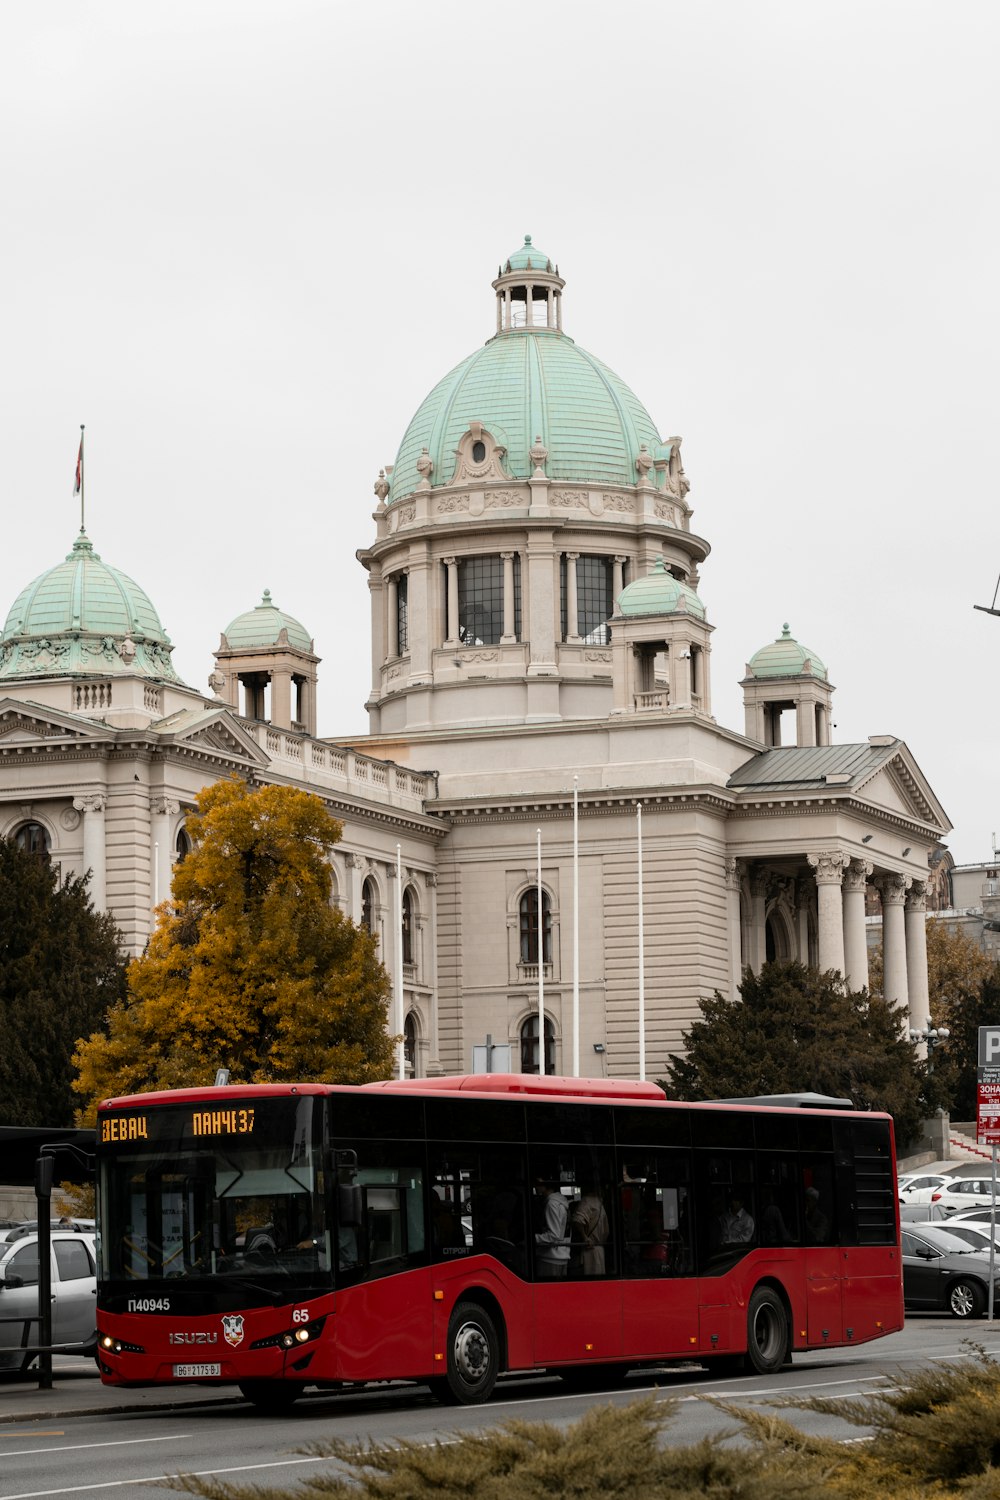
(17, 1231)
(74, 1297)
(976, 1235)
(964, 1192)
(942, 1272)
(922, 1213)
(973, 1216)
(917, 1187)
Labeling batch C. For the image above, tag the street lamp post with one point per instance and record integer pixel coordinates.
(932, 1038)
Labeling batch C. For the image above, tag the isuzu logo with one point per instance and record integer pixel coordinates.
(192, 1338)
(232, 1327)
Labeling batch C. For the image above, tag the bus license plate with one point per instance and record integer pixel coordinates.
(195, 1372)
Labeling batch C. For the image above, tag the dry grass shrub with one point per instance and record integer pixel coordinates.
(936, 1434)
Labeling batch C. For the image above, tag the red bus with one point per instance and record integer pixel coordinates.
(447, 1231)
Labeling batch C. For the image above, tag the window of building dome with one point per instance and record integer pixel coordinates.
(595, 602)
(529, 1046)
(528, 913)
(410, 1046)
(33, 839)
(402, 615)
(479, 452)
(407, 925)
(368, 906)
(480, 600)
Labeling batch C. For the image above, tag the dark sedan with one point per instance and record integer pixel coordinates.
(943, 1273)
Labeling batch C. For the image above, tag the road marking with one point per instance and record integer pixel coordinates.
(86, 1447)
(117, 1484)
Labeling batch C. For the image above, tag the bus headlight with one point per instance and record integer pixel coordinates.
(291, 1337)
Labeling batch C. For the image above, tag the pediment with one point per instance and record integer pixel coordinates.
(32, 724)
(898, 786)
(214, 731)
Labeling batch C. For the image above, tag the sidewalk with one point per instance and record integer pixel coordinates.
(77, 1391)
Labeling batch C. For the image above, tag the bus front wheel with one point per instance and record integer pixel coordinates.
(473, 1356)
(269, 1395)
(767, 1332)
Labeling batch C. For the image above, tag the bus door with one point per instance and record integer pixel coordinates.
(577, 1294)
(824, 1260)
(659, 1290)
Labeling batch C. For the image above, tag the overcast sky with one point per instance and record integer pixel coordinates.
(241, 241)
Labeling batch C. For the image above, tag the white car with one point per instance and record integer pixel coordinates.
(917, 1187)
(976, 1235)
(74, 1297)
(963, 1192)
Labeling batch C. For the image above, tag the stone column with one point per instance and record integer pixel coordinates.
(733, 873)
(356, 876)
(431, 975)
(617, 577)
(829, 867)
(892, 889)
(804, 888)
(559, 311)
(281, 699)
(164, 810)
(529, 307)
(855, 942)
(757, 949)
(915, 923)
(392, 616)
(378, 629)
(572, 608)
(451, 623)
(508, 637)
(805, 723)
(94, 849)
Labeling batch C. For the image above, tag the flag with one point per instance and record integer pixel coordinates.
(78, 485)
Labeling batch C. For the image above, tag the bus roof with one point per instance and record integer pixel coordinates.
(548, 1084)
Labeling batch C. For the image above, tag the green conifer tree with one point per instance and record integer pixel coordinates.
(61, 969)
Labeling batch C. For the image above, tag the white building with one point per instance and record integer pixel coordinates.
(541, 665)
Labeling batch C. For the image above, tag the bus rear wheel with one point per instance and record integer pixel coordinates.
(473, 1356)
(273, 1396)
(767, 1332)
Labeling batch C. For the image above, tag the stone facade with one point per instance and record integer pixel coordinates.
(541, 668)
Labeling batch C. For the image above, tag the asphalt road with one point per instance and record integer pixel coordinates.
(83, 1440)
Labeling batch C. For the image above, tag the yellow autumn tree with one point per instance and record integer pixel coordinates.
(250, 966)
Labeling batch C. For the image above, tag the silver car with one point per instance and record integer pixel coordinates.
(74, 1297)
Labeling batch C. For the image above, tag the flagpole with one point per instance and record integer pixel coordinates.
(642, 960)
(541, 964)
(576, 927)
(83, 481)
(401, 1041)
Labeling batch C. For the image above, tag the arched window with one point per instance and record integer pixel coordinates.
(182, 845)
(529, 1046)
(33, 839)
(410, 1046)
(407, 926)
(368, 905)
(529, 927)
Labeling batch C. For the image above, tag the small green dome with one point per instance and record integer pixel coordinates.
(785, 657)
(528, 256)
(84, 618)
(264, 626)
(659, 593)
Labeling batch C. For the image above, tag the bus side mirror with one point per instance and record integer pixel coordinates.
(349, 1204)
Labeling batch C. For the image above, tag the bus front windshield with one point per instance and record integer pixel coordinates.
(201, 1190)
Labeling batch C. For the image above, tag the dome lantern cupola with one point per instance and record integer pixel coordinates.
(529, 291)
(269, 653)
(785, 675)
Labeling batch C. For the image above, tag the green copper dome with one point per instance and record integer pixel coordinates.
(84, 617)
(264, 626)
(527, 383)
(785, 657)
(659, 593)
